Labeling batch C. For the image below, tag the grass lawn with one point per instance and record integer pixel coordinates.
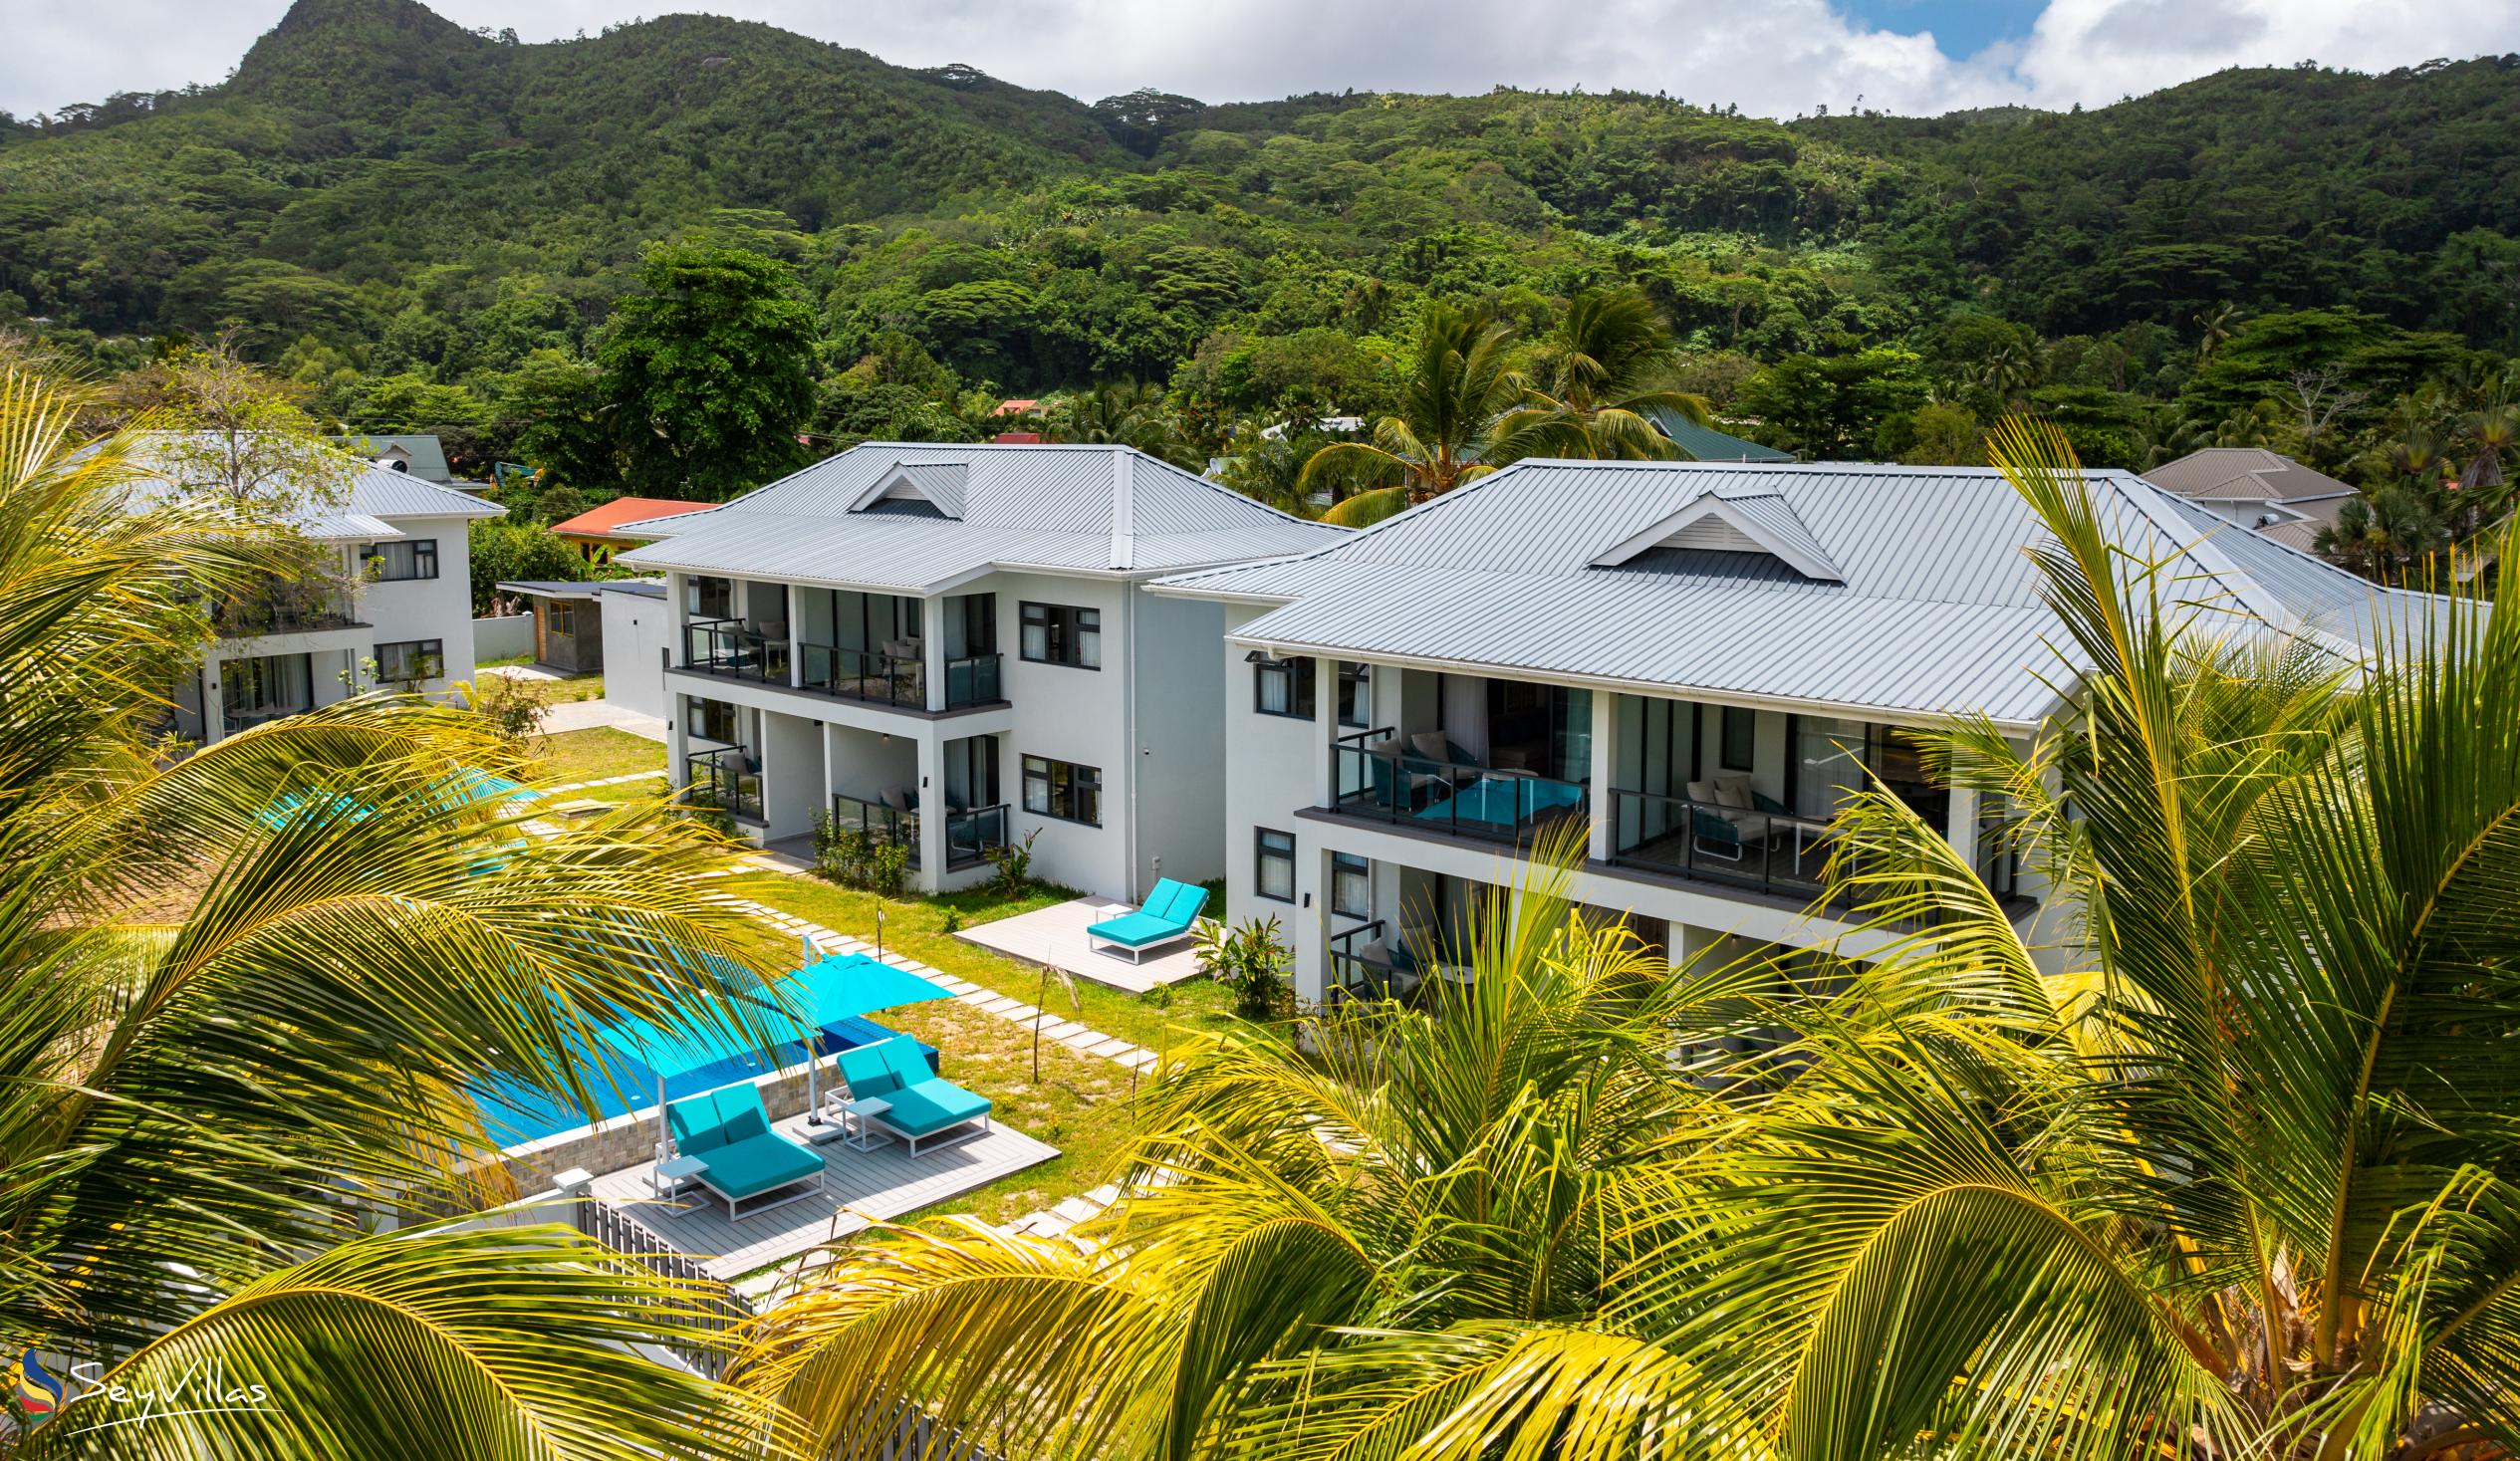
(591, 755)
(564, 691)
(1081, 1105)
(505, 661)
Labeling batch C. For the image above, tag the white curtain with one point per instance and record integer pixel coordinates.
(1465, 714)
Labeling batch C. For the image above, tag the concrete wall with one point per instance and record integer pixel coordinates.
(637, 631)
(1069, 714)
(1277, 765)
(1181, 757)
(503, 636)
(430, 609)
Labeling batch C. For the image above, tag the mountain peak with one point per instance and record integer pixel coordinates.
(333, 51)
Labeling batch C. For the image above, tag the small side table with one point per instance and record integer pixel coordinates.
(857, 1127)
(667, 1180)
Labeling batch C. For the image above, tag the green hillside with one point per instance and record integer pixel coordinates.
(432, 226)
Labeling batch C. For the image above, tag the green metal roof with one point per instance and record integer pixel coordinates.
(1706, 444)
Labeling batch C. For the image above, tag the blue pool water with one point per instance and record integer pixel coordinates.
(621, 1081)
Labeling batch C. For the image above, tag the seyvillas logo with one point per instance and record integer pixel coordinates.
(203, 1388)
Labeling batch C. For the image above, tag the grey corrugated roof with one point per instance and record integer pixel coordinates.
(1090, 509)
(1940, 612)
(357, 509)
(2244, 473)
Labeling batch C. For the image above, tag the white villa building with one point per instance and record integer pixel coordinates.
(946, 646)
(1696, 661)
(402, 614)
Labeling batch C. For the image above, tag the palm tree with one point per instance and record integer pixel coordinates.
(2214, 326)
(2232, 1173)
(245, 995)
(1458, 387)
(1601, 377)
(1478, 1170)
(1123, 413)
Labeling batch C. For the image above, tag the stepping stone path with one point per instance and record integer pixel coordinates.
(1054, 1222)
(1066, 1032)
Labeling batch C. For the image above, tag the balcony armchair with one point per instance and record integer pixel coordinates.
(1169, 913)
(728, 1131)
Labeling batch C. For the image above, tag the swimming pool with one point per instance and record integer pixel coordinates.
(626, 1063)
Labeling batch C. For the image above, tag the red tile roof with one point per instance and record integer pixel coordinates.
(611, 517)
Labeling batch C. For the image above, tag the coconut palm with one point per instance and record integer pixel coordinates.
(1477, 1170)
(1123, 413)
(245, 995)
(1599, 379)
(1458, 387)
(2231, 1174)
(2244, 1182)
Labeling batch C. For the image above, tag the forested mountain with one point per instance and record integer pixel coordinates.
(432, 227)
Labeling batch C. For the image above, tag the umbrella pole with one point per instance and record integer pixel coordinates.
(813, 1046)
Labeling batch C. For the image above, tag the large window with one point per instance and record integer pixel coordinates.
(1356, 695)
(705, 596)
(1063, 790)
(560, 618)
(1057, 634)
(712, 720)
(1740, 744)
(1276, 876)
(1283, 687)
(409, 557)
(406, 662)
(1351, 885)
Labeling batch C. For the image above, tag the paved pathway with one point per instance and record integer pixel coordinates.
(607, 781)
(1074, 1036)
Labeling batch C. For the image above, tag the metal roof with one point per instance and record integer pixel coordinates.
(1941, 613)
(2244, 474)
(359, 509)
(1706, 444)
(1061, 509)
(428, 457)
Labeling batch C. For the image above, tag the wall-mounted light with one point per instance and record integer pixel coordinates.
(1259, 656)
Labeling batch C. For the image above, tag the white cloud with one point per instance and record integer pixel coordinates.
(1776, 58)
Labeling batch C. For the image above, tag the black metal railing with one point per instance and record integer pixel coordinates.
(724, 779)
(972, 832)
(1773, 851)
(725, 647)
(235, 719)
(1373, 775)
(864, 674)
(1355, 975)
(971, 680)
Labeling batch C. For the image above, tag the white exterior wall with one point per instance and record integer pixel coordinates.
(1070, 714)
(1273, 766)
(636, 632)
(1181, 754)
(427, 608)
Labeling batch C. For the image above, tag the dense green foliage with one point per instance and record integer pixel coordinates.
(435, 228)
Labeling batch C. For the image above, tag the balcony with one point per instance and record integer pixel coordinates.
(285, 608)
(726, 779)
(1765, 848)
(972, 834)
(896, 679)
(1375, 780)
(725, 647)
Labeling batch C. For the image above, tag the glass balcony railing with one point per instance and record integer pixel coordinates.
(1764, 848)
(725, 779)
(971, 680)
(725, 647)
(971, 832)
(1375, 778)
(864, 674)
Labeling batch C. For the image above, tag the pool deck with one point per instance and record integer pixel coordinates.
(1056, 936)
(860, 1188)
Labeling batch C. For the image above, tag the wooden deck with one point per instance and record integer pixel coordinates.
(860, 1188)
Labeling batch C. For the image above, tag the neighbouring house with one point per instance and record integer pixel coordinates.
(2264, 491)
(398, 610)
(568, 622)
(600, 531)
(420, 455)
(944, 647)
(637, 639)
(1706, 444)
(1683, 668)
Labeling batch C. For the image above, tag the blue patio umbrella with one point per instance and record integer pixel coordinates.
(843, 987)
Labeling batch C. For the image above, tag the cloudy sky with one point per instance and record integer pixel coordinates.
(1776, 58)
